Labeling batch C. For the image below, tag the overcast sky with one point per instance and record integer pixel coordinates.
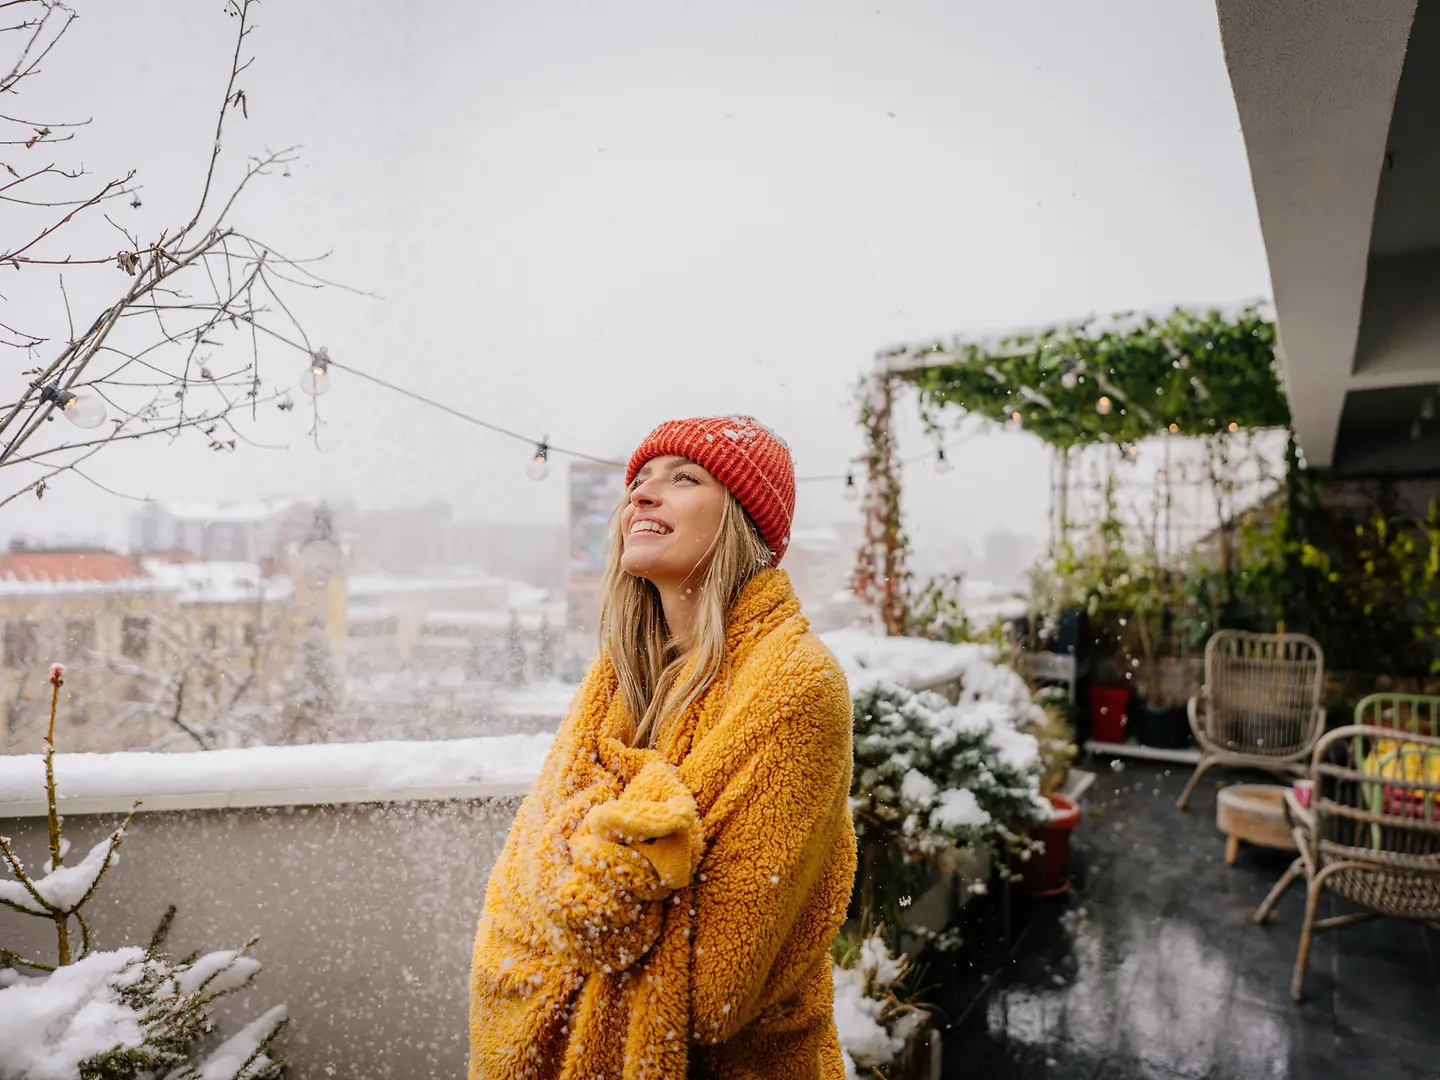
(585, 218)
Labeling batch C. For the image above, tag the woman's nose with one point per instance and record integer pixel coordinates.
(642, 495)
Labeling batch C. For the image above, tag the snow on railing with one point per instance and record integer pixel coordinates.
(394, 771)
(310, 775)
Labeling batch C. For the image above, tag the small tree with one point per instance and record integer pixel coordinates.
(125, 1013)
(153, 359)
(514, 653)
(545, 654)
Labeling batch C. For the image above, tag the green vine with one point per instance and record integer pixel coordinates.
(1118, 380)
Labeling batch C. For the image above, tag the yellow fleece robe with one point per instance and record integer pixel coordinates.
(668, 913)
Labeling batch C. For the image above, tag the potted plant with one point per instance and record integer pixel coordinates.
(1162, 720)
(1046, 872)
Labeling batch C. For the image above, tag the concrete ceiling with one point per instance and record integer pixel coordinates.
(1316, 83)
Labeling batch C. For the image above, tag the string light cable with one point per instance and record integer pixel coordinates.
(315, 381)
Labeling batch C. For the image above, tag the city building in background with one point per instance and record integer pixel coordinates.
(595, 492)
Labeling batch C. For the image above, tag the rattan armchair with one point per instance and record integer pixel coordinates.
(1260, 704)
(1373, 832)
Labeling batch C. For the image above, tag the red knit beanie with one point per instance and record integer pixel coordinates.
(748, 458)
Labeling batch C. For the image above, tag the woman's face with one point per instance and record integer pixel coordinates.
(670, 521)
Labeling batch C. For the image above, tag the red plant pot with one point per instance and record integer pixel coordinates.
(1107, 712)
(1048, 873)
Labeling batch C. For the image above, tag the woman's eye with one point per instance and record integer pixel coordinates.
(687, 476)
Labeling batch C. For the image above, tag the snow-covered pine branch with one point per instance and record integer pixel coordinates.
(121, 1014)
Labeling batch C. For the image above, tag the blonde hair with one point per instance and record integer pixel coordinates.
(657, 679)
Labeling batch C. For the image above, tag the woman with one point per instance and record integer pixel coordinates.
(666, 900)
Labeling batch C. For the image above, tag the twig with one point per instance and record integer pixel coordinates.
(10, 958)
(57, 857)
(14, 257)
(242, 9)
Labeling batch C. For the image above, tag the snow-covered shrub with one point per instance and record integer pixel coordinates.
(934, 775)
(118, 1014)
(130, 1013)
(871, 1013)
(932, 778)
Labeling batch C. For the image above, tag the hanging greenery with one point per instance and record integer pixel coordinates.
(1117, 379)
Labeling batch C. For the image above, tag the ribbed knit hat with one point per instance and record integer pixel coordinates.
(748, 458)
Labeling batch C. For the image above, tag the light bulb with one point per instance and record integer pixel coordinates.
(1234, 427)
(1132, 450)
(538, 467)
(1174, 428)
(1103, 406)
(852, 490)
(315, 380)
(1015, 416)
(942, 463)
(84, 410)
(1068, 380)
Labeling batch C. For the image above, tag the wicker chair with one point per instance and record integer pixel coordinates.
(1260, 705)
(1373, 833)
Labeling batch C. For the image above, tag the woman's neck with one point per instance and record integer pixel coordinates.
(678, 604)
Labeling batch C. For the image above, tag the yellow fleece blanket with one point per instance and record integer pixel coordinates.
(667, 914)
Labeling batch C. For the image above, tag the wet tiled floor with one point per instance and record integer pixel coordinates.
(1152, 968)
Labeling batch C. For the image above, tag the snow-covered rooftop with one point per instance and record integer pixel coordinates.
(276, 775)
(251, 510)
(218, 582)
(378, 584)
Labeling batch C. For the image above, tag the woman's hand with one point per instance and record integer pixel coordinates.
(656, 816)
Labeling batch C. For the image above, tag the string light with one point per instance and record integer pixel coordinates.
(538, 467)
(1016, 416)
(1174, 428)
(316, 378)
(1104, 405)
(1068, 380)
(1132, 450)
(84, 408)
(1234, 427)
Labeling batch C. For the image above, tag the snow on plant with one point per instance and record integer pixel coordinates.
(934, 776)
(122, 1013)
(871, 1014)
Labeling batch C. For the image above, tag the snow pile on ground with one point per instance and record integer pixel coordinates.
(917, 663)
(350, 771)
(125, 1014)
(873, 1025)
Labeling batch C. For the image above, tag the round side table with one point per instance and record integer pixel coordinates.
(1254, 813)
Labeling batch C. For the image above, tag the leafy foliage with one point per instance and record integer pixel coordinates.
(1190, 373)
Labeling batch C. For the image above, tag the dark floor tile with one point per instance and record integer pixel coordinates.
(1385, 1057)
(1381, 994)
(1153, 967)
(1019, 1061)
(1129, 1068)
(1272, 1043)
